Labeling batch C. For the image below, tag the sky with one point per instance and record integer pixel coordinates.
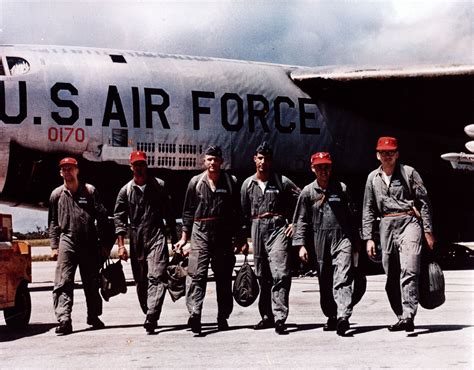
(307, 33)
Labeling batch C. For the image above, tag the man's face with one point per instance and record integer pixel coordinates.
(69, 172)
(387, 157)
(322, 171)
(212, 163)
(263, 163)
(139, 168)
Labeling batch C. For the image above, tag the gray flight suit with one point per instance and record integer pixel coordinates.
(401, 232)
(73, 232)
(212, 218)
(141, 214)
(266, 214)
(328, 217)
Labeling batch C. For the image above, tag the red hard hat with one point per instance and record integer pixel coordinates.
(320, 158)
(387, 143)
(68, 160)
(137, 156)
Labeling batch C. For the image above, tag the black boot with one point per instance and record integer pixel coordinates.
(194, 322)
(95, 322)
(64, 328)
(264, 324)
(342, 326)
(403, 324)
(280, 327)
(330, 324)
(150, 324)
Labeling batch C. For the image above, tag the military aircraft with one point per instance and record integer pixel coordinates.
(100, 104)
(463, 161)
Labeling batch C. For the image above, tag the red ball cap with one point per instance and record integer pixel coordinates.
(320, 158)
(137, 156)
(387, 143)
(68, 160)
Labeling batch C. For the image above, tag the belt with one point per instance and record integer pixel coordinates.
(406, 213)
(212, 218)
(267, 215)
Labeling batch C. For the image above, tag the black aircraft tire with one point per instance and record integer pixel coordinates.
(18, 317)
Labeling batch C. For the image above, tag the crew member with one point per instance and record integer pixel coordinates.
(142, 206)
(268, 201)
(324, 219)
(74, 209)
(211, 219)
(392, 193)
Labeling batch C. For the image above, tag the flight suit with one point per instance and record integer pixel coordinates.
(401, 232)
(141, 213)
(328, 216)
(266, 214)
(73, 232)
(212, 218)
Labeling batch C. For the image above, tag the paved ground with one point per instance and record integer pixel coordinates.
(443, 337)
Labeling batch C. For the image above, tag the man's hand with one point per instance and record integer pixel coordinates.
(371, 252)
(303, 253)
(122, 253)
(178, 247)
(289, 231)
(54, 255)
(242, 248)
(430, 240)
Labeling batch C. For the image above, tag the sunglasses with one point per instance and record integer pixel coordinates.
(387, 152)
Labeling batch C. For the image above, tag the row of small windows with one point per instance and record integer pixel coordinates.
(187, 162)
(171, 162)
(169, 148)
(146, 147)
(166, 161)
(189, 149)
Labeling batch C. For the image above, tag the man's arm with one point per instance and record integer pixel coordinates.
(169, 216)
(369, 210)
(54, 229)
(292, 193)
(302, 221)
(121, 213)
(421, 195)
(189, 209)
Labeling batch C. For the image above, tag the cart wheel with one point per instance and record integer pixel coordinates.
(19, 316)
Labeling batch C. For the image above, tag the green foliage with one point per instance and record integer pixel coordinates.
(40, 233)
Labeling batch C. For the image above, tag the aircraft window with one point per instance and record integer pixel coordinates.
(17, 66)
(119, 137)
(118, 58)
(2, 71)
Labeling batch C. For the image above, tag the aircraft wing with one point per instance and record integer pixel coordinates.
(346, 74)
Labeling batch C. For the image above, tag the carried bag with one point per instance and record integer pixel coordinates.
(177, 271)
(246, 287)
(112, 279)
(431, 282)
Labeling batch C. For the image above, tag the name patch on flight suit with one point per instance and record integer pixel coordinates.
(396, 183)
(82, 200)
(221, 191)
(276, 191)
(334, 198)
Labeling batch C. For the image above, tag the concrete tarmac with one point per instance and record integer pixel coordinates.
(443, 338)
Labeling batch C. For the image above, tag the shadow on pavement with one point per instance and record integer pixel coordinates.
(429, 329)
(7, 334)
